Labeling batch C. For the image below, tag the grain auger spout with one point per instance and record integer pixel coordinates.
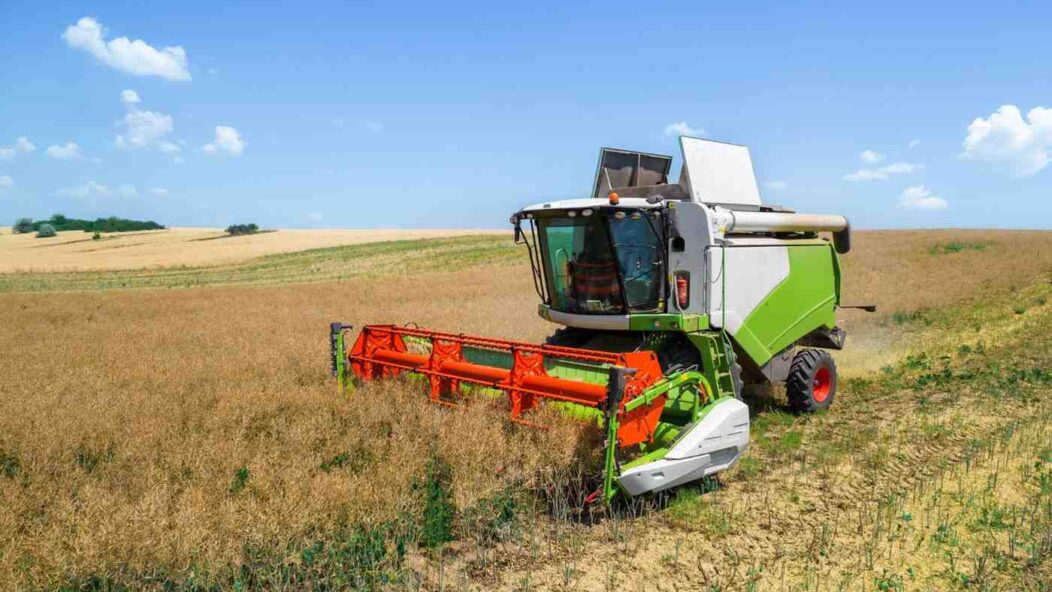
(672, 298)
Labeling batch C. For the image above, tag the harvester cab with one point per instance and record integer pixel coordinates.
(671, 297)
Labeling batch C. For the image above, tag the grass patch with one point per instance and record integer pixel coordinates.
(690, 510)
(957, 247)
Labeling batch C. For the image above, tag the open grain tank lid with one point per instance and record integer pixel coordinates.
(718, 173)
(625, 169)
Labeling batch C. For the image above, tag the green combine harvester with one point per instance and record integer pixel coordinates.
(672, 298)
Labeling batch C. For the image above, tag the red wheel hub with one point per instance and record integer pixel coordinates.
(821, 385)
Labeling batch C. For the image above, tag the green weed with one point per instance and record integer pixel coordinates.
(9, 464)
(437, 520)
(241, 477)
(956, 247)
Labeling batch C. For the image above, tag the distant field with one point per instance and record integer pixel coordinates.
(76, 251)
(191, 438)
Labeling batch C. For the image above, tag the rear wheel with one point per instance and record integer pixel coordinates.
(811, 385)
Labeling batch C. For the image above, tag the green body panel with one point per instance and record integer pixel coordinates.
(803, 302)
(667, 322)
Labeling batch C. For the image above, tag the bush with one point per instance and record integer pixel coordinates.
(45, 231)
(22, 226)
(238, 229)
(96, 236)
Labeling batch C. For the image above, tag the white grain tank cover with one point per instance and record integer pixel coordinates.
(717, 172)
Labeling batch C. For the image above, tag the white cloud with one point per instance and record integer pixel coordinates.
(871, 157)
(21, 145)
(776, 185)
(920, 198)
(913, 144)
(128, 191)
(6, 181)
(881, 173)
(133, 57)
(68, 151)
(373, 126)
(89, 189)
(169, 148)
(143, 129)
(1008, 143)
(130, 97)
(227, 140)
(315, 217)
(159, 192)
(680, 128)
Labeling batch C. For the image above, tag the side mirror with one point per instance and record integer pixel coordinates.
(518, 234)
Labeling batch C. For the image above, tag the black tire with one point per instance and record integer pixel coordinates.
(812, 380)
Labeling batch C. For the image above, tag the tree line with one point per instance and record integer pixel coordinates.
(58, 222)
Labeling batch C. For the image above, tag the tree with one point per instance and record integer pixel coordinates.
(22, 225)
(238, 229)
(45, 231)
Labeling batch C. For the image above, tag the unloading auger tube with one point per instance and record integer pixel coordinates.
(672, 298)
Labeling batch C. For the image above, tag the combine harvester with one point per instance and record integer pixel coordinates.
(672, 298)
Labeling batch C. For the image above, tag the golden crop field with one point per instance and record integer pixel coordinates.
(75, 250)
(173, 426)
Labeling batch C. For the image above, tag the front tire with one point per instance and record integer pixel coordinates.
(812, 381)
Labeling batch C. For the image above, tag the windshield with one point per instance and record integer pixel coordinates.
(601, 263)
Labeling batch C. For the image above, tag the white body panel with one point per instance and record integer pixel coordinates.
(712, 445)
(605, 322)
(696, 230)
(591, 202)
(716, 172)
(746, 274)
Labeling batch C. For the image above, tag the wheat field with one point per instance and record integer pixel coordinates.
(76, 250)
(191, 438)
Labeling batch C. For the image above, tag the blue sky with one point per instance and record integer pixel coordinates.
(407, 114)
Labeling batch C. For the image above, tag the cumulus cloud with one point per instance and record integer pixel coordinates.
(870, 157)
(159, 192)
(132, 57)
(89, 189)
(227, 140)
(6, 181)
(881, 173)
(128, 191)
(680, 128)
(68, 151)
(1009, 143)
(169, 148)
(144, 129)
(776, 185)
(129, 97)
(21, 145)
(920, 198)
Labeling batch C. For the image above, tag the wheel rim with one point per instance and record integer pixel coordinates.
(821, 385)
